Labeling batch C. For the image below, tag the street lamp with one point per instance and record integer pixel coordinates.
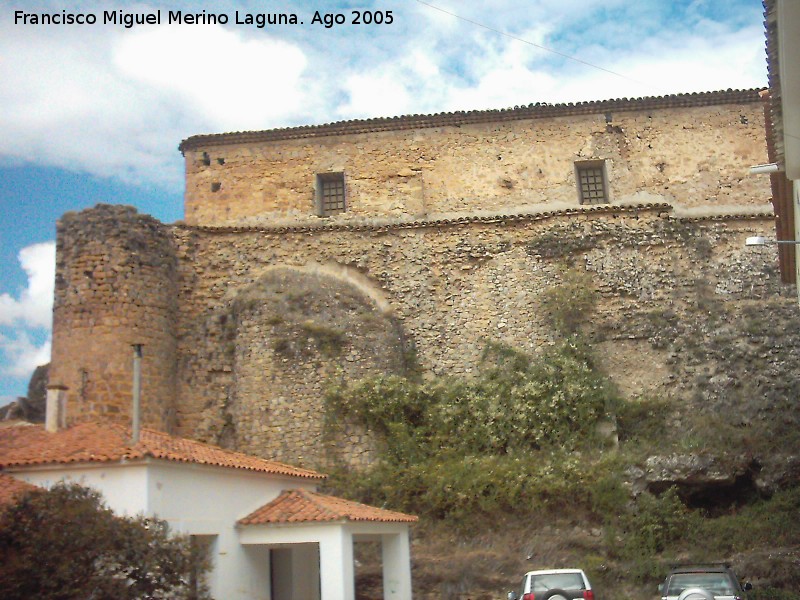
(760, 240)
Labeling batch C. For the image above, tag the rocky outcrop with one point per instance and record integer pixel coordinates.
(30, 408)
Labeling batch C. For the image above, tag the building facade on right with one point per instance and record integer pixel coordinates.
(783, 123)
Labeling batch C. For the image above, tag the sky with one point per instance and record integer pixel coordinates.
(94, 112)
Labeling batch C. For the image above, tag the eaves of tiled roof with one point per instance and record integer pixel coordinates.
(456, 119)
(661, 208)
(658, 207)
(304, 506)
(11, 488)
(110, 443)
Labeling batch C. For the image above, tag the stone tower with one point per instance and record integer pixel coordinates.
(115, 287)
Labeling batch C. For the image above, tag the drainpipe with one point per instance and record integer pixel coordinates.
(137, 392)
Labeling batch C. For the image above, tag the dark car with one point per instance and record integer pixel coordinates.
(703, 582)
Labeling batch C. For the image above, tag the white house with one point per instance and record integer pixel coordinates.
(271, 535)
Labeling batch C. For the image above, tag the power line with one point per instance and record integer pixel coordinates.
(540, 47)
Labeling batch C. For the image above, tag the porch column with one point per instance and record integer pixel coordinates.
(336, 570)
(305, 571)
(396, 566)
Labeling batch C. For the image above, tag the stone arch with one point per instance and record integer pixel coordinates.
(292, 333)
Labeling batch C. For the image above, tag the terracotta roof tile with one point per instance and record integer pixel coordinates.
(93, 442)
(303, 506)
(538, 110)
(11, 488)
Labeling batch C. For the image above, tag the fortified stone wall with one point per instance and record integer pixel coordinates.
(692, 151)
(261, 320)
(441, 289)
(116, 278)
(251, 308)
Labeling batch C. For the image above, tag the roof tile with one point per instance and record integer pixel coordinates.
(11, 488)
(532, 111)
(304, 506)
(93, 442)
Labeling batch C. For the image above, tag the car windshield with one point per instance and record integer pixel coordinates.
(718, 584)
(564, 581)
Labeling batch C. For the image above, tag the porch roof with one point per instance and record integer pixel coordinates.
(304, 506)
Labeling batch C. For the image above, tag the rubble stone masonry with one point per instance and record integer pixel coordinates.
(691, 151)
(452, 235)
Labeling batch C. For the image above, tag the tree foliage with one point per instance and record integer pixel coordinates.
(65, 544)
(455, 448)
(516, 403)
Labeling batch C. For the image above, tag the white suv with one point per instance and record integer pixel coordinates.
(554, 584)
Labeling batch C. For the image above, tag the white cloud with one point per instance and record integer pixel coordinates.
(26, 320)
(233, 82)
(23, 355)
(65, 105)
(34, 307)
(115, 102)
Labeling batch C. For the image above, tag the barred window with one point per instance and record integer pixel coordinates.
(592, 182)
(330, 194)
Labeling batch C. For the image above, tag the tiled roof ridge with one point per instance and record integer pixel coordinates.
(775, 108)
(536, 110)
(91, 442)
(463, 220)
(305, 506)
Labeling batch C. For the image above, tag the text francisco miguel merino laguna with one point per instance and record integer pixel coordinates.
(128, 20)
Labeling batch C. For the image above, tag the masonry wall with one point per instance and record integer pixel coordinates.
(689, 156)
(444, 290)
(245, 328)
(453, 238)
(115, 286)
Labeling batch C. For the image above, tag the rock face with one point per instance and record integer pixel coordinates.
(264, 318)
(715, 481)
(31, 408)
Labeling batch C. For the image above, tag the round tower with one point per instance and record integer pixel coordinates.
(116, 286)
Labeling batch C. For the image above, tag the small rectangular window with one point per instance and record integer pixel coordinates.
(592, 182)
(330, 194)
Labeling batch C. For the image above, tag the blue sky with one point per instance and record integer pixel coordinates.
(94, 113)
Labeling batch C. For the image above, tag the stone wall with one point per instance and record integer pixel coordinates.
(245, 327)
(115, 286)
(690, 153)
(443, 290)
(454, 236)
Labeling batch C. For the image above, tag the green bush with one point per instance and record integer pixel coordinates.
(457, 448)
(641, 420)
(768, 522)
(64, 544)
(467, 489)
(516, 404)
(653, 525)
